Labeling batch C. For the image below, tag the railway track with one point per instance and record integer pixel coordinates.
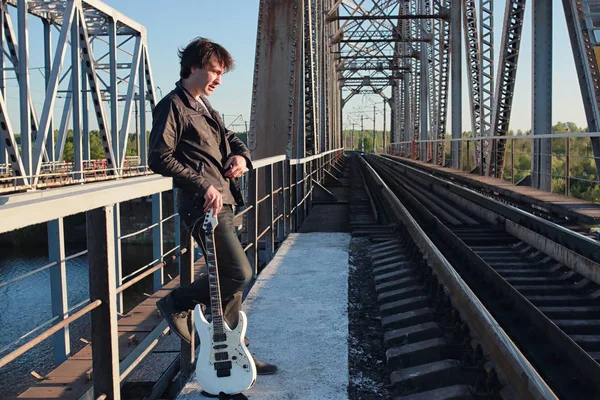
(537, 279)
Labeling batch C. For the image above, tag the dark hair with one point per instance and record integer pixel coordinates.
(199, 53)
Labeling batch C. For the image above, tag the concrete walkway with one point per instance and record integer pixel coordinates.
(297, 312)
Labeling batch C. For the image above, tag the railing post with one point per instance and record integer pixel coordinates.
(186, 277)
(177, 223)
(568, 167)
(101, 260)
(270, 238)
(118, 263)
(512, 160)
(281, 203)
(289, 218)
(58, 287)
(311, 174)
(296, 196)
(252, 224)
(157, 237)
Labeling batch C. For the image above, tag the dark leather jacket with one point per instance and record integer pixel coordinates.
(192, 145)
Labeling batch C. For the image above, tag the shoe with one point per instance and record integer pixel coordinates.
(178, 320)
(263, 368)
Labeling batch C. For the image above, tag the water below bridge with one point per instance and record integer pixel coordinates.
(27, 303)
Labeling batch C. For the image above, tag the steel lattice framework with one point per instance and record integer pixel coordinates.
(296, 102)
(400, 48)
(92, 34)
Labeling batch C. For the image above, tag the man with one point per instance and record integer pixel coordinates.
(190, 143)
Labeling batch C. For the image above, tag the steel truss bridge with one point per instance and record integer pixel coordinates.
(312, 57)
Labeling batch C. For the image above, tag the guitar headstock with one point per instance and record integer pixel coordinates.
(210, 221)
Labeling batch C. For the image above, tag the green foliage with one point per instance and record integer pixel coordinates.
(575, 178)
(353, 140)
(581, 168)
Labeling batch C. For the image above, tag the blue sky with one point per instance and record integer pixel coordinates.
(233, 23)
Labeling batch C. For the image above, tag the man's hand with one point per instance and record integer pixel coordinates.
(235, 167)
(213, 200)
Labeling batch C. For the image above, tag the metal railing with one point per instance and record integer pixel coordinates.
(278, 192)
(63, 173)
(573, 165)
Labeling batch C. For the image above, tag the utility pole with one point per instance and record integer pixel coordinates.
(374, 147)
(384, 138)
(362, 133)
(352, 137)
(223, 118)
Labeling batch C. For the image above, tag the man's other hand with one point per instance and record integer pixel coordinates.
(235, 167)
(213, 200)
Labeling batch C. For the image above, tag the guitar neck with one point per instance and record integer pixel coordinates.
(213, 283)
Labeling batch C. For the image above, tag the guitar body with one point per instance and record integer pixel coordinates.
(224, 363)
(223, 366)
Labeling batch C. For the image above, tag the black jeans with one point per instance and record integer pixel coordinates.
(233, 265)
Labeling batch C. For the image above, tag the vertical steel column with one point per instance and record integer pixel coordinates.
(541, 161)
(423, 101)
(114, 92)
(406, 82)
(383, 133)
(486, 35)
(505, 88)
(85, 117)
(270, 235)
(252, 220)
(47, 72)
(58, 288)
(186, 277)
(25, 105)
(3, 152)
(579, 24)
(105, 335)
(456, 77)
(157, 237)
(143, 90)
(76, 97)
(278, 60)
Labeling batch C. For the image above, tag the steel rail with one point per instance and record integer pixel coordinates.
(509, 360)
(522, 229)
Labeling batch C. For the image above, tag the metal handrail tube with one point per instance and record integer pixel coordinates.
(148, 272)
(278, 218)
(313, 157)
(43, 268)
(143, 355)
(18, 278)
(263, 199)
(139, 270)
(248, 246)
(172, 250)
(267, 229)
(244, 211)
(263, 162)
(37, 328)
(48, 333)
(508, 137)
(40, 326)
(146, 228)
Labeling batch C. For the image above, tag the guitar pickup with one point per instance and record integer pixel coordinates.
(221, 356)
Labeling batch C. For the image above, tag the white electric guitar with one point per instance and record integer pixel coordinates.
(224, 363)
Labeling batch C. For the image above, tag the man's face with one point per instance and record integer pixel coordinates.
(208, 78)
